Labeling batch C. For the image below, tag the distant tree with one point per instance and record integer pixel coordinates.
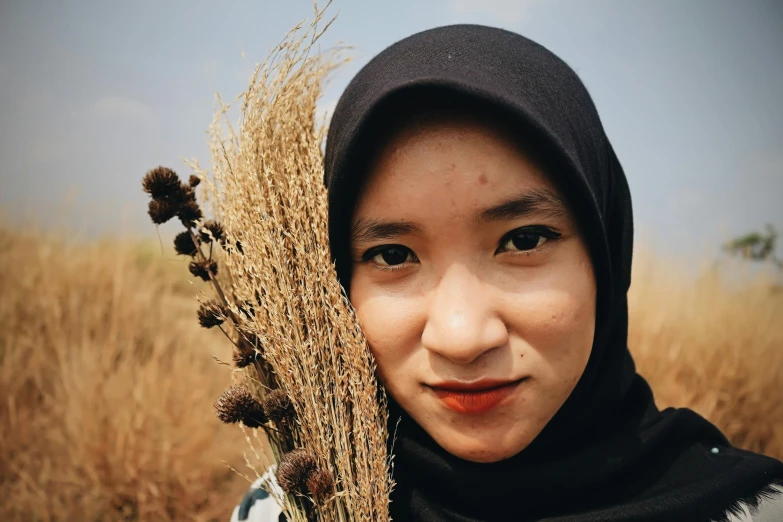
(756, 246)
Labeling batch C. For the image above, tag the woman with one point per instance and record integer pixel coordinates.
(482, 227)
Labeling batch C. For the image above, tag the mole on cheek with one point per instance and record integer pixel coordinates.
(483, 179)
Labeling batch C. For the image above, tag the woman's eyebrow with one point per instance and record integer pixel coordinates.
(537, 201)
(368, 230)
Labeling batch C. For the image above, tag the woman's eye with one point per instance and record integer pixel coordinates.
(390, 255)
(526, 240)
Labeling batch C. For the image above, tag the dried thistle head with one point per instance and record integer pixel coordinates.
(243, 358)
(278, 406)
(211, 314)
(294, 469)
(203, 269)
(320, 483)
(237, 404)
(188, 210)
(161, 182)
(213, 230)
(248, 349)
(162, 210)
(184, 245)
(194, 180)
(170, 197)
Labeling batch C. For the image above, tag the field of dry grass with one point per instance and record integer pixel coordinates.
(107, 382)
(106, 387)
(713, 343)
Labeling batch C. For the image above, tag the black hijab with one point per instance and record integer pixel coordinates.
(608, 454)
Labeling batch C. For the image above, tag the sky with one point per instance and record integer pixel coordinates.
(95, 93)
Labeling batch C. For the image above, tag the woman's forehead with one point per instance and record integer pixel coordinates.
(454, 160)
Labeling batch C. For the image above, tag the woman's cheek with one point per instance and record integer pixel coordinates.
(558, 325)
(390, 327)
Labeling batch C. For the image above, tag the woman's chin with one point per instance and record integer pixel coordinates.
(481, 448)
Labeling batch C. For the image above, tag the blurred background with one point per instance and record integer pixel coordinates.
(92, 94)
(106, 381)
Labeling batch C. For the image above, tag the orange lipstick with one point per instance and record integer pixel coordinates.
(474, 398)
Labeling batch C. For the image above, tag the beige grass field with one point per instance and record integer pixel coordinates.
(107, 382)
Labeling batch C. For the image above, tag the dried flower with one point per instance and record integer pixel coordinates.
(194, 180)
(277, 405)
(161, 210)
(294, 469)
(214, 230)
(170, 197)
(211, 314)
(320, 483)
(184, 244)
(188, 210)
(247, 349)
(161, 182)
(238, 404)
(203, 269)
(244, 357)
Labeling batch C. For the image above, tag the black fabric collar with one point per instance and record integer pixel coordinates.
(608, 454)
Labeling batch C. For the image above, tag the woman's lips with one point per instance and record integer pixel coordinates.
(474, 398)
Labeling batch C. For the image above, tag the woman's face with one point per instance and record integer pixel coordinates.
(473, 286)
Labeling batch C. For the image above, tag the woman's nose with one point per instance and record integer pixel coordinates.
(462, 320)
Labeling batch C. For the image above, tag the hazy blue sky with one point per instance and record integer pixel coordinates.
(94, 93)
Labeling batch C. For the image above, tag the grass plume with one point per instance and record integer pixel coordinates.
(266, 191)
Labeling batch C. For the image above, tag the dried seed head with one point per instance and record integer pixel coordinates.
(211, 314)
(170, 197)
(214, 230)
(247, 349)
(243, 358)
(194, 180)
(294, 469)
(188, 210)
(161, 210)
(238, 404)
(186, 193)
(184, 244)
(203, 269)
(278, 406)
(161, 182)
(320, 483)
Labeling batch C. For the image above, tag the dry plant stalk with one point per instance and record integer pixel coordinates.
(267, 192)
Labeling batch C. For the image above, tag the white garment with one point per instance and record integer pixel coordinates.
(258, 505)
(769, 509)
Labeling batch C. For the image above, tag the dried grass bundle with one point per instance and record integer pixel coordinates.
(308, 375)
